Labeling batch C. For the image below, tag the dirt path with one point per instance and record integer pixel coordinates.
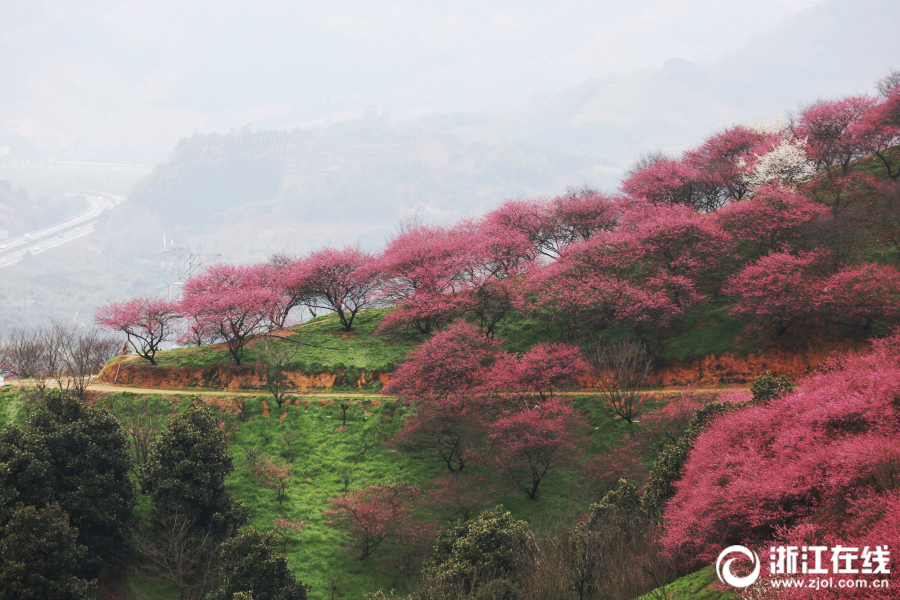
(110, 388)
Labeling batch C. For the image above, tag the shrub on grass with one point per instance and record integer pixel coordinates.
(251, 565)
(477, 552)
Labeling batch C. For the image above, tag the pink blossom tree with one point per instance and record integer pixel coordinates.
(451, 361)
(778, 290)
(344, 281)
(835, 131)
(666, 181)
(285, 529)
(549, 225)
(821, 457)
(724, 162)
(493, 258)
(233, 302)
(776, 218)
(373, 514)
(451, 428)
(148, 322)
(458, 496)
(673, 240)
(286, 275)
(442, 377)
(423, 273)
(881, 132)
(271, 474)
(537, 373)
(529, 442)
(197, 330)
(862, 295)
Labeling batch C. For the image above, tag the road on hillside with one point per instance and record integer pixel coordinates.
(110, 388)
(47, 238)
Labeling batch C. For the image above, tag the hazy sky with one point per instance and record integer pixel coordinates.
(140, 74)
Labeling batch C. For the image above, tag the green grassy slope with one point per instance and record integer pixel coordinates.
(325, 347)
(324, 451)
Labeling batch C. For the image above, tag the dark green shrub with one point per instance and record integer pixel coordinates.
(768, 387)
(670, 463)
(485, 548)
(251, 565)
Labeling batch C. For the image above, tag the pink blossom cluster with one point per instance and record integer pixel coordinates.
(476, 402)
(817, 466)
(684, 231)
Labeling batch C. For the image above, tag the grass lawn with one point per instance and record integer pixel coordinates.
(325, 347)
(321, 455)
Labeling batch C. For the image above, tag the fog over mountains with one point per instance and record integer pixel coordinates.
(292, 125)
(113, 78)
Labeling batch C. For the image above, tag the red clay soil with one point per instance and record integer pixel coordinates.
(133, 371)
(792, 361)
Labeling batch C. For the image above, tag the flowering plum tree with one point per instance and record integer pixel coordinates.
(457, 497)
(285, 529)
(422, 269)
(373, 514)
(779, 289)
(459, 380)
(442, 376)
(234, 302)
(673, 240)
(197, 330)
(772, 220)
(549, 225)
(613, 464)
(527, 443)
(667, 180)
(289, 278)
(820, 457)
(540, 371)
(784, 163)
(862, 295)
(451, 361)
(835, 131)
(343, 281)
(271, 474)
(148, 322)
(880, 132)
(493, 257)
(451, 428)
(724, 162)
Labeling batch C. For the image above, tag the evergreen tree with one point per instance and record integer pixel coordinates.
(39, 556)
(251, 565)
(88, 461)
(186, 469)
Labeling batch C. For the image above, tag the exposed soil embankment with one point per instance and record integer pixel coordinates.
(130, 370)
(793, 362)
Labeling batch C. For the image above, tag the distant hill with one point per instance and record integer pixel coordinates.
(353, 181)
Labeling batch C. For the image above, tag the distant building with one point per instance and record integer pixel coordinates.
(4, 150)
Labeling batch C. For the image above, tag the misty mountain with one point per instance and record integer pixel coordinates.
(107, 78)
(364, 173)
